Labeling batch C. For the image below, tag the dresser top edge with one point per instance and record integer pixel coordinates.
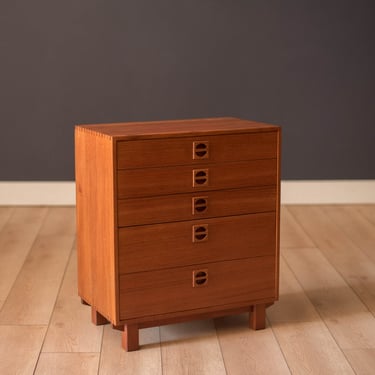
(176, 128)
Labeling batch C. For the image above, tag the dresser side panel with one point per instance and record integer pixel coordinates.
(278, 199)
(96, 222)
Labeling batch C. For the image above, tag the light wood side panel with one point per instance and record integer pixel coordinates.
(180, 151)
(171, 290)
(33, 295)
(19, 348)
(144, 248)
(346, 257)
(178, 207)
(172, 180)
(191, 348)
(70, 328)
(68, 363)
(96, 221)
(347, 318)
(15, 247)
(116, 361)
(246, 351)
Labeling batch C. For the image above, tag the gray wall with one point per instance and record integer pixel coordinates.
(307, 65)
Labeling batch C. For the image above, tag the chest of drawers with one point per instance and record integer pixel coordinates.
(177, 220)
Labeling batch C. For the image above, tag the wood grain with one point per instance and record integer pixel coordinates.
(19, 348)
(246, 351)
(33, 295)
(291, 233)
(166, 291)
(347, 318)
(5, 214)
(144, 248)
(191, 348)
(174, 180)
(347, 257)
(116, 361)
(70, 328)
(68, 363)
(293, 305)
(96, 222)
(179, 207)
(310, 349)
(178, 128)
(13, 247)
(356, 226)
(179, 151)
(362, 360)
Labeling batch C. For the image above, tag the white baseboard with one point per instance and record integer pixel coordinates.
(62, 193)
(328, 192)
(37, 193)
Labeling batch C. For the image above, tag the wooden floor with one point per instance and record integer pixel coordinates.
(323, 324)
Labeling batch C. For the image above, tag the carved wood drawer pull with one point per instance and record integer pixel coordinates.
(200, 177)
(200, 150)
(200, 205)
(200, 233)
(200, 277)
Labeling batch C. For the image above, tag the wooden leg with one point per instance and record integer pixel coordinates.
(97, 318)
(258, 317)
(130, 338)
(84, 302)
(119, 328)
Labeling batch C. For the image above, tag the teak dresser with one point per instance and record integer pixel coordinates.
(177, 220)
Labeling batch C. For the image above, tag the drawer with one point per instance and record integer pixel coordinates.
(181, 289)
(196, 150)
(179, 207)
(149, 247)
(184, 179)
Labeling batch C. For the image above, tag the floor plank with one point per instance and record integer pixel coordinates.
(5, 214)
(347, 257)
(293, 304)
(347, 318)
(70, 329)
(68, 363)
(19, 348)
(191, 348)
(291, 234)
(355, 225)
(363, 360)
(115, 361)
(294, 318)
(246, 351)
(310, 349)
(14, 247)
(33, 295)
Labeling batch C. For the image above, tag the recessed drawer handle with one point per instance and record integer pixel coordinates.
(200, 177)
(200, 150)
(200, 205)
(200, 233)
(200, 277)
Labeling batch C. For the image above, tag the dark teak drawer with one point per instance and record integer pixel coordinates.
(148, 247)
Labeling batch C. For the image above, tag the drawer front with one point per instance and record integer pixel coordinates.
(172, 180)
(184, 288)
(150, 247)
(179, 207)
(196, 150)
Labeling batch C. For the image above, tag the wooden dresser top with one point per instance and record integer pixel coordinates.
(176, 128)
